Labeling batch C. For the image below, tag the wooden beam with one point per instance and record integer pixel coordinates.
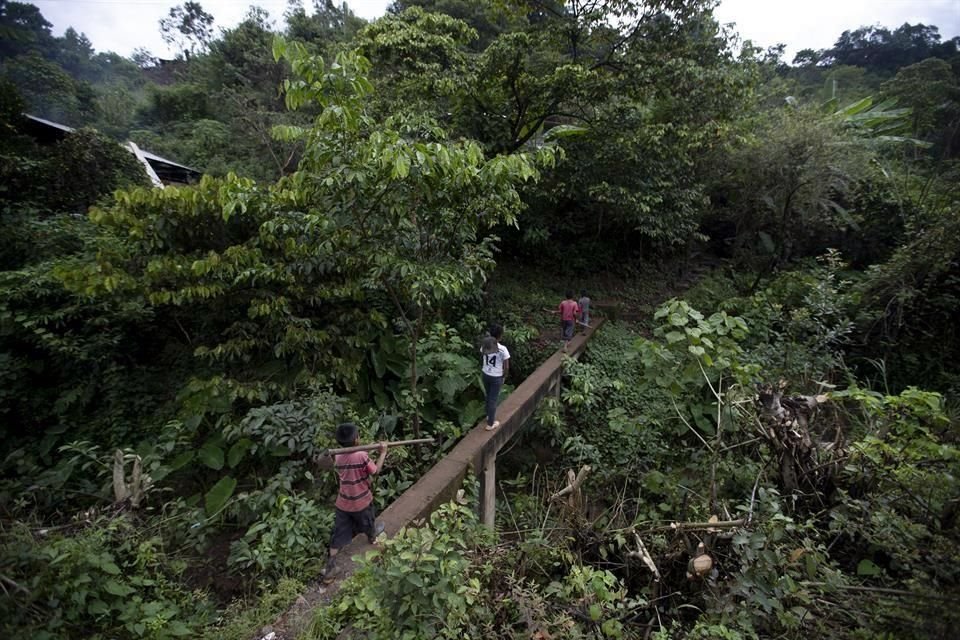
(373, 446)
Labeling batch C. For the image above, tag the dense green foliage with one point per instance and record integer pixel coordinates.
(862, 552)
(173, 360)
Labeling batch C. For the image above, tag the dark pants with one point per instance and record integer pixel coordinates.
(567, 331)
(347, 524)
(492, 384)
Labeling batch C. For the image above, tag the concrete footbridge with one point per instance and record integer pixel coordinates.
(476, 451)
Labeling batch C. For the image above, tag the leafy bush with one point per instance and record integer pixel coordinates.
(907, 305)
(107, 578)
(245, 614)
(800, 322)
(69, 176)
(71, 361)
(176, 103)
(48, 89)
(598, 595)
(449, 366)
(794, 568)
(289, 540)
(421, 585)
(298, 427)
(694, 361)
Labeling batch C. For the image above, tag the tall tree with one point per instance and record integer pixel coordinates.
(23, 28)
(416, 207)
(49, 91)
(489, 18)
(245, 80)
(329, 23)
(188, 27)
(932, 90)
(75, 53)
(652, 86)
(882, 50)
(384, 224)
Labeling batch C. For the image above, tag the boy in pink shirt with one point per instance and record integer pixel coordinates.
(355, 512)
(569, 312)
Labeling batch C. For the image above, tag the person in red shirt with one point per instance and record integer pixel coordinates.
(569, 313)
(355, 511)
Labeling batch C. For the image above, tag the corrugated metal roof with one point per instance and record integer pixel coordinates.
(153, 156)
(50, 123)
(160, 168)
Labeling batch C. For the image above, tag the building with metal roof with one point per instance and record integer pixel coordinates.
(160, 170)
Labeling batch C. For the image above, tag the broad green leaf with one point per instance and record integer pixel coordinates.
(178, 629)
(279, 48)
(115, 588)
(449, 385)
(97, 607)
(866, 567)
(855, 108)
(182, 460)
(378, 366)
(674, 336)
(211, 455)
(237, 451)
(388, 424)
(565, 131)
(217, 497)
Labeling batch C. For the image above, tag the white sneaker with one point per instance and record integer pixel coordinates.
(492, 427)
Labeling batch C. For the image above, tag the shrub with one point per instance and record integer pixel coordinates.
(108, 579)
(290, 540)
(421, 585)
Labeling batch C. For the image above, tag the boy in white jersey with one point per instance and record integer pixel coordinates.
(584, 304)
(496, 365)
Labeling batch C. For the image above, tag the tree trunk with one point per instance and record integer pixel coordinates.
(415, 337)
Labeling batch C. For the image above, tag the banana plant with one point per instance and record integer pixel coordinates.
(882, 121)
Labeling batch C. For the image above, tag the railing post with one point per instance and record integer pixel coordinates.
(488, 490)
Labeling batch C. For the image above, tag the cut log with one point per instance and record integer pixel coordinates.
(785, 422)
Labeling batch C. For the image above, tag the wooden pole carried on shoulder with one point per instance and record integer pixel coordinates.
(376, 445)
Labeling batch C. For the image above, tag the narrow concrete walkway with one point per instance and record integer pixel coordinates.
(440, 484)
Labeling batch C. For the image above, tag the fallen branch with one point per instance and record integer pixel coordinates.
(785, 424)
(883, 590)
(694, 526)
(573, 482)
(644, 555)
(722, 524)
(4, 580)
